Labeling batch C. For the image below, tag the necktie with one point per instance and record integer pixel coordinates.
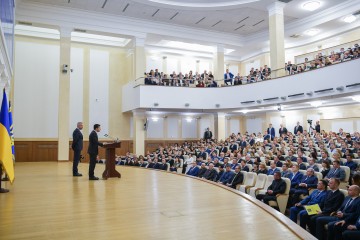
(234, 178)
(348, 203)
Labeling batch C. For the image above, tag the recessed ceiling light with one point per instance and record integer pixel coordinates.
(312, 32)
(356, 98)
(311, 6)
(349, 19)
(316, 104)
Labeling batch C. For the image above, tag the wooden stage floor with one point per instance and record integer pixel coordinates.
(46, 202)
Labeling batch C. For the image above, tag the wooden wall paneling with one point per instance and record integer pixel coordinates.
(45, 151)
(23, 151)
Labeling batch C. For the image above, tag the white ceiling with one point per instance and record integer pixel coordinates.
(228, 19)
(242, 17)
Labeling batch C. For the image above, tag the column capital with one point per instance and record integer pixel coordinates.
(276, 8)
(139, 113)
(220, 114)
(220, 48)
(65, 32)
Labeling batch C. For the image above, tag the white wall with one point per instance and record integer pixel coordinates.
(153, 63)
(36, 98)
(204, 123)
(76, 88)
(99, 90)
(189, 128)
(254, 125)
(347, 126)
(172, 127)
(155, 128)
(234, 125)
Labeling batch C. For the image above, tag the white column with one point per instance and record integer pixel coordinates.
(198, 66)
(221, 121)
(139, 132)
(140, 60)
(219, 62)
(164, 65)
(64, 94)
(276, 36)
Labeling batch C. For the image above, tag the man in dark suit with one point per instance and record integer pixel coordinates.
(336, 172)
(193, 170)
(298, 128)
(317, 126)
(347, 211)
(308, 181)
(211, 173)
(332, 202)
(93, 150)
(227, 176)
(236, 179)
(278, 186)
(282, 130)
(208, 134)
(271, 131)
(345, 229)
(223, 149)
(202, 170)
(77, 146)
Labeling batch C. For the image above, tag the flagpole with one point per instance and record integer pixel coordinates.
(2, 190)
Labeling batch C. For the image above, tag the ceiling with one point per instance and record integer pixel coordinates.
(242, 17)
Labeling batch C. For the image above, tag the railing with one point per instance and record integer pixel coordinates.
(242, 80)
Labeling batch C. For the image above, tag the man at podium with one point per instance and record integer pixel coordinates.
(93, 150)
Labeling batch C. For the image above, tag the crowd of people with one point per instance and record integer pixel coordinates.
(284, 156)
(206, 79)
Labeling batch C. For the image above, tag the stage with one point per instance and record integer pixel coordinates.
(46, 202)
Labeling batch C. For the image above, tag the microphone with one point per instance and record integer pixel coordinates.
(112, 138)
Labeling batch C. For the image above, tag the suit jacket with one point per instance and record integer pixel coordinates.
(297, 129)
(245, 169)
(296, 179)
(277, 186)
(227, 177)
(233, 147)
(193, 171)
(230, 74)
(143, 165)
(283, 131)
(350, 212)
(210, 174)
(279, 164)
(201, 154)
(272, 171)
(94, 143)
(332, 202)
(271, 132)
(286, 174)
(237, 179)
(316, 168)
(336, 173)
(310, 181)
(150, 165)
(316, 197)
(201, 172)
(223, 149)
(208, 135)
(77, 144)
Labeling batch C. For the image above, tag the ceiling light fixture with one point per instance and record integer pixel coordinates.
(312, 32)
(155, 119)
(316, 104)
(188, 119)
(311, 6)
(349, 19)
(356, 98)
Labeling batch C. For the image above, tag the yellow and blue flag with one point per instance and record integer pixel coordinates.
(5, 140)
(11, 132)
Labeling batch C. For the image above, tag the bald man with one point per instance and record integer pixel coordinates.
(77, 146)
(348, 212)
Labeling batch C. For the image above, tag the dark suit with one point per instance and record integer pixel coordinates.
(223, 149)
(349, 210)
(298, 129)
(193, 171)
(227, 177)
(207, 135)
(237, 179)
(271, 132)
(77, 146)
(277, 186)
(210, 174)
(311, 182)
(201, 172)
(332, 202)
(93, 151)
(283, 131)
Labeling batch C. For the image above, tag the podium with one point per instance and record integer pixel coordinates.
(110, 170)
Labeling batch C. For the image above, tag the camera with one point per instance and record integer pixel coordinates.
(309, 121)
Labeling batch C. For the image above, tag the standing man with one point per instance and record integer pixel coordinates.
(271, 132)
(77, 146)
(317, 126)
(282, 130)
(93, 150)
(207, 134)
(298, 128)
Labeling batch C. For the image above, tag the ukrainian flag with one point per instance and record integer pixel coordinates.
(5, 140)
(11, 132)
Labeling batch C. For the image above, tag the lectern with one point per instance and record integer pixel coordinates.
(110, 170)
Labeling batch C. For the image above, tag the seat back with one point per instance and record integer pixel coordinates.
(250, 179)
(318, 175)
(343, 191)
(260, 180)
(268, 182)
(250, 167)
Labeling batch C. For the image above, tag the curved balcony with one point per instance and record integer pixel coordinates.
(336, 80)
